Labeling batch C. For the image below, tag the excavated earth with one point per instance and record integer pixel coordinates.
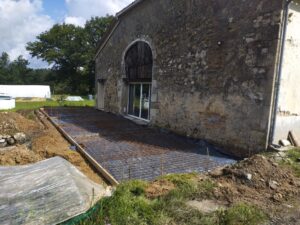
(44, 141)
(263, 182)
(259, 180)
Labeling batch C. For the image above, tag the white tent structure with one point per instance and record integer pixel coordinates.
(26, 91)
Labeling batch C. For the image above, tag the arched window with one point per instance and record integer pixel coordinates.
(139, 62)
(138, 67)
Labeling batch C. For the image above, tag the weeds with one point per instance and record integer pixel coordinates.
(186, 185)
(130, 206)
(293, 156)
(243, 214)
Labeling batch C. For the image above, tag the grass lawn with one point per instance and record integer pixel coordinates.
(37, 105)
(130, 205)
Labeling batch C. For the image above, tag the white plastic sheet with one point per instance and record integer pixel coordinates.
(26, 91)
(48, 192)
(74, 98)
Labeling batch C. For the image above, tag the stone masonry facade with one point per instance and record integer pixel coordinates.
(214, 65)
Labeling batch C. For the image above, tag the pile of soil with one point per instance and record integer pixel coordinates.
(260, 181)
(18, 155)
(44, 142)
(12, 122)
(159, 188)
(267, 181)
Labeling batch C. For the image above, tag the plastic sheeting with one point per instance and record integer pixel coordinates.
(74, 98)
(26, 91)
(48, 192)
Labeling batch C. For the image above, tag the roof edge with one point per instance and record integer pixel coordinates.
(102, 42)
(127, 8)
(106, 36)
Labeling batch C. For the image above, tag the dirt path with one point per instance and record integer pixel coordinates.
(44, 142)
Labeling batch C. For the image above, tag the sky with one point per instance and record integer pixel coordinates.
(22, 20)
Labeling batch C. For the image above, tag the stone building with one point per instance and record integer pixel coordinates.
(226, 71)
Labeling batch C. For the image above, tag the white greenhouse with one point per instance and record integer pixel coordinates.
(26, 91)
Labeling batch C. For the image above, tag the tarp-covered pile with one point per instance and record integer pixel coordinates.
(48, 192)
(74, 98)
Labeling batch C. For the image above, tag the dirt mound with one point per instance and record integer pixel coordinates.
(159, 188)
(18, 155)
(44, 142)
(11, 123)
(264, 171)
(257, 180)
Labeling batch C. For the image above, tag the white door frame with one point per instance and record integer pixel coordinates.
(141, 93)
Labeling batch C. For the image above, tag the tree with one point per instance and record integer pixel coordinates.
(14, 72)
(18, 70)
(4, 63)
(71, 49)
(4, 60)
(94, 31)
(61, 46)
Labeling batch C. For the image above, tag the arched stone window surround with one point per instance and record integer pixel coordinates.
(124, 92)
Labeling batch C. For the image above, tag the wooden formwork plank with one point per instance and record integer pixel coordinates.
(293, 139)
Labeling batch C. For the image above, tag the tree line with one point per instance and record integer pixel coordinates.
(68, 49)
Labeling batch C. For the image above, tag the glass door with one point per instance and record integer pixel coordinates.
(139, 100)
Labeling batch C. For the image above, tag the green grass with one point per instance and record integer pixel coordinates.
(37, 105)
(243, 214)
(293, 155)
(129, 205)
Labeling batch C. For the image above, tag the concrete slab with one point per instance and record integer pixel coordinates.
(131, 151)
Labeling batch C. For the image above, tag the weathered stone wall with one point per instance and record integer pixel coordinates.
(288, 112)
(214, 66)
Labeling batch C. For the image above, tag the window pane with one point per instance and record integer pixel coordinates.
(139, 107)
(146, 101)
(137, 98)
(134, 99)
(131, 98)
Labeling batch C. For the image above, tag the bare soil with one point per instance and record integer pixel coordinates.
(265, 173)
(159, 188)
(258, 180)
(12, 122)
(18, 155)
(44, 142)
(272, 188)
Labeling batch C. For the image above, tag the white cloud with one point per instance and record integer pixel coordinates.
(21, 22)
(78, 21)
(85, 9)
